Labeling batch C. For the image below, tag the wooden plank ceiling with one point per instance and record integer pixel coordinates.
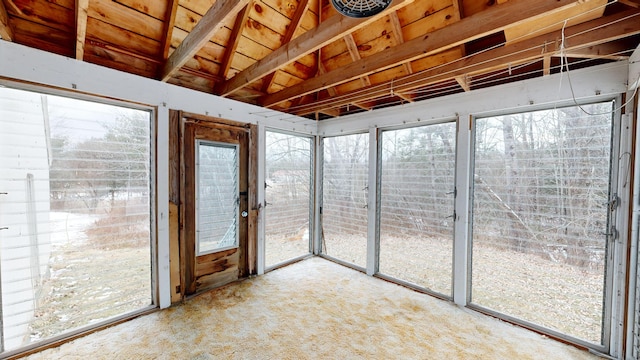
(302, 57)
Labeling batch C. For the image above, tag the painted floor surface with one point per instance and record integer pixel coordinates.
(314, 309)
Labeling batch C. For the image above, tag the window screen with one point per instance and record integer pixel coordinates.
(288, 184)
(344, 209)
(416, 205)
(74, 212)
(540, 214)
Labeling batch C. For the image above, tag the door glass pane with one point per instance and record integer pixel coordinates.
(344, 210)
(539, 217)
(217, 200)
(288, 180)
(75, 211)
(416, 225)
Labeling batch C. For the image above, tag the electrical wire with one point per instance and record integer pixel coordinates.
(417, 78)
(564, 59)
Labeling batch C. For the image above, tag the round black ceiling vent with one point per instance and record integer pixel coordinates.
(360, 8)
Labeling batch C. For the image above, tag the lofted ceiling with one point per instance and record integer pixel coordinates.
(303, 58)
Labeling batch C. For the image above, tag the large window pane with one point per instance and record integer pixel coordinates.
(75, 213)
(288, 180)
(416, 211)
(217, 203)
(541, 185)
(344, 211)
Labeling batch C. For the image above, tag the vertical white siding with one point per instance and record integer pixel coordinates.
(23, 151)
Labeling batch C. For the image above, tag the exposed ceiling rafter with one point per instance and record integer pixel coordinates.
(463, 81)
(330, 30)
(630, 3)
(234, 40)
(301, 8)
(82, 8)
(352, 47)
(5, 28)
(398, 37)
(579, 38)
(546, 65)
(470, 28)
(201, 34)
(167, 34)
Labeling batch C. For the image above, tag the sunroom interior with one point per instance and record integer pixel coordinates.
(489, 175)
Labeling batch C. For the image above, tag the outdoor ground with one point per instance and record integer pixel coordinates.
(85, 284)
(88, 285)
(529, 286)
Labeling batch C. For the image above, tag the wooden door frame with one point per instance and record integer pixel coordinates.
(179, 252)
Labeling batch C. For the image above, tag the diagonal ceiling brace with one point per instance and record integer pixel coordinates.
(5, 28)
(211, 22)
(470, 28)
(302, 7)
(327, 32)
(580, 36)
(82, 8)
(234, 40)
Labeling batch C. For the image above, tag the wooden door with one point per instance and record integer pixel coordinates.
(214, 209)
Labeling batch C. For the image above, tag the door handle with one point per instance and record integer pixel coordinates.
(244, 214)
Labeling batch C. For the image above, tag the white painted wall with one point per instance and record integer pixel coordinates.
(23, 151)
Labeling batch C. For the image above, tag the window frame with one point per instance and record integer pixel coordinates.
(320, 197)
(153, 211)
(611, 305)
(379, 145)
(312, 176)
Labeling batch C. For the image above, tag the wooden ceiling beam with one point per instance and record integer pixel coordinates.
(330, 112)
(546, 65)
(169, 24)
(326, 32)
(352, 47)
(405, 97)
(580, 36)
(399, 37)
(630, 3)
(211, 22)
(332, 90)
(234, 40)
(470, 28)
(5, 28)
(82, 10)
(608, 51)
(302, 7)
(11, 6)
(463, 81)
